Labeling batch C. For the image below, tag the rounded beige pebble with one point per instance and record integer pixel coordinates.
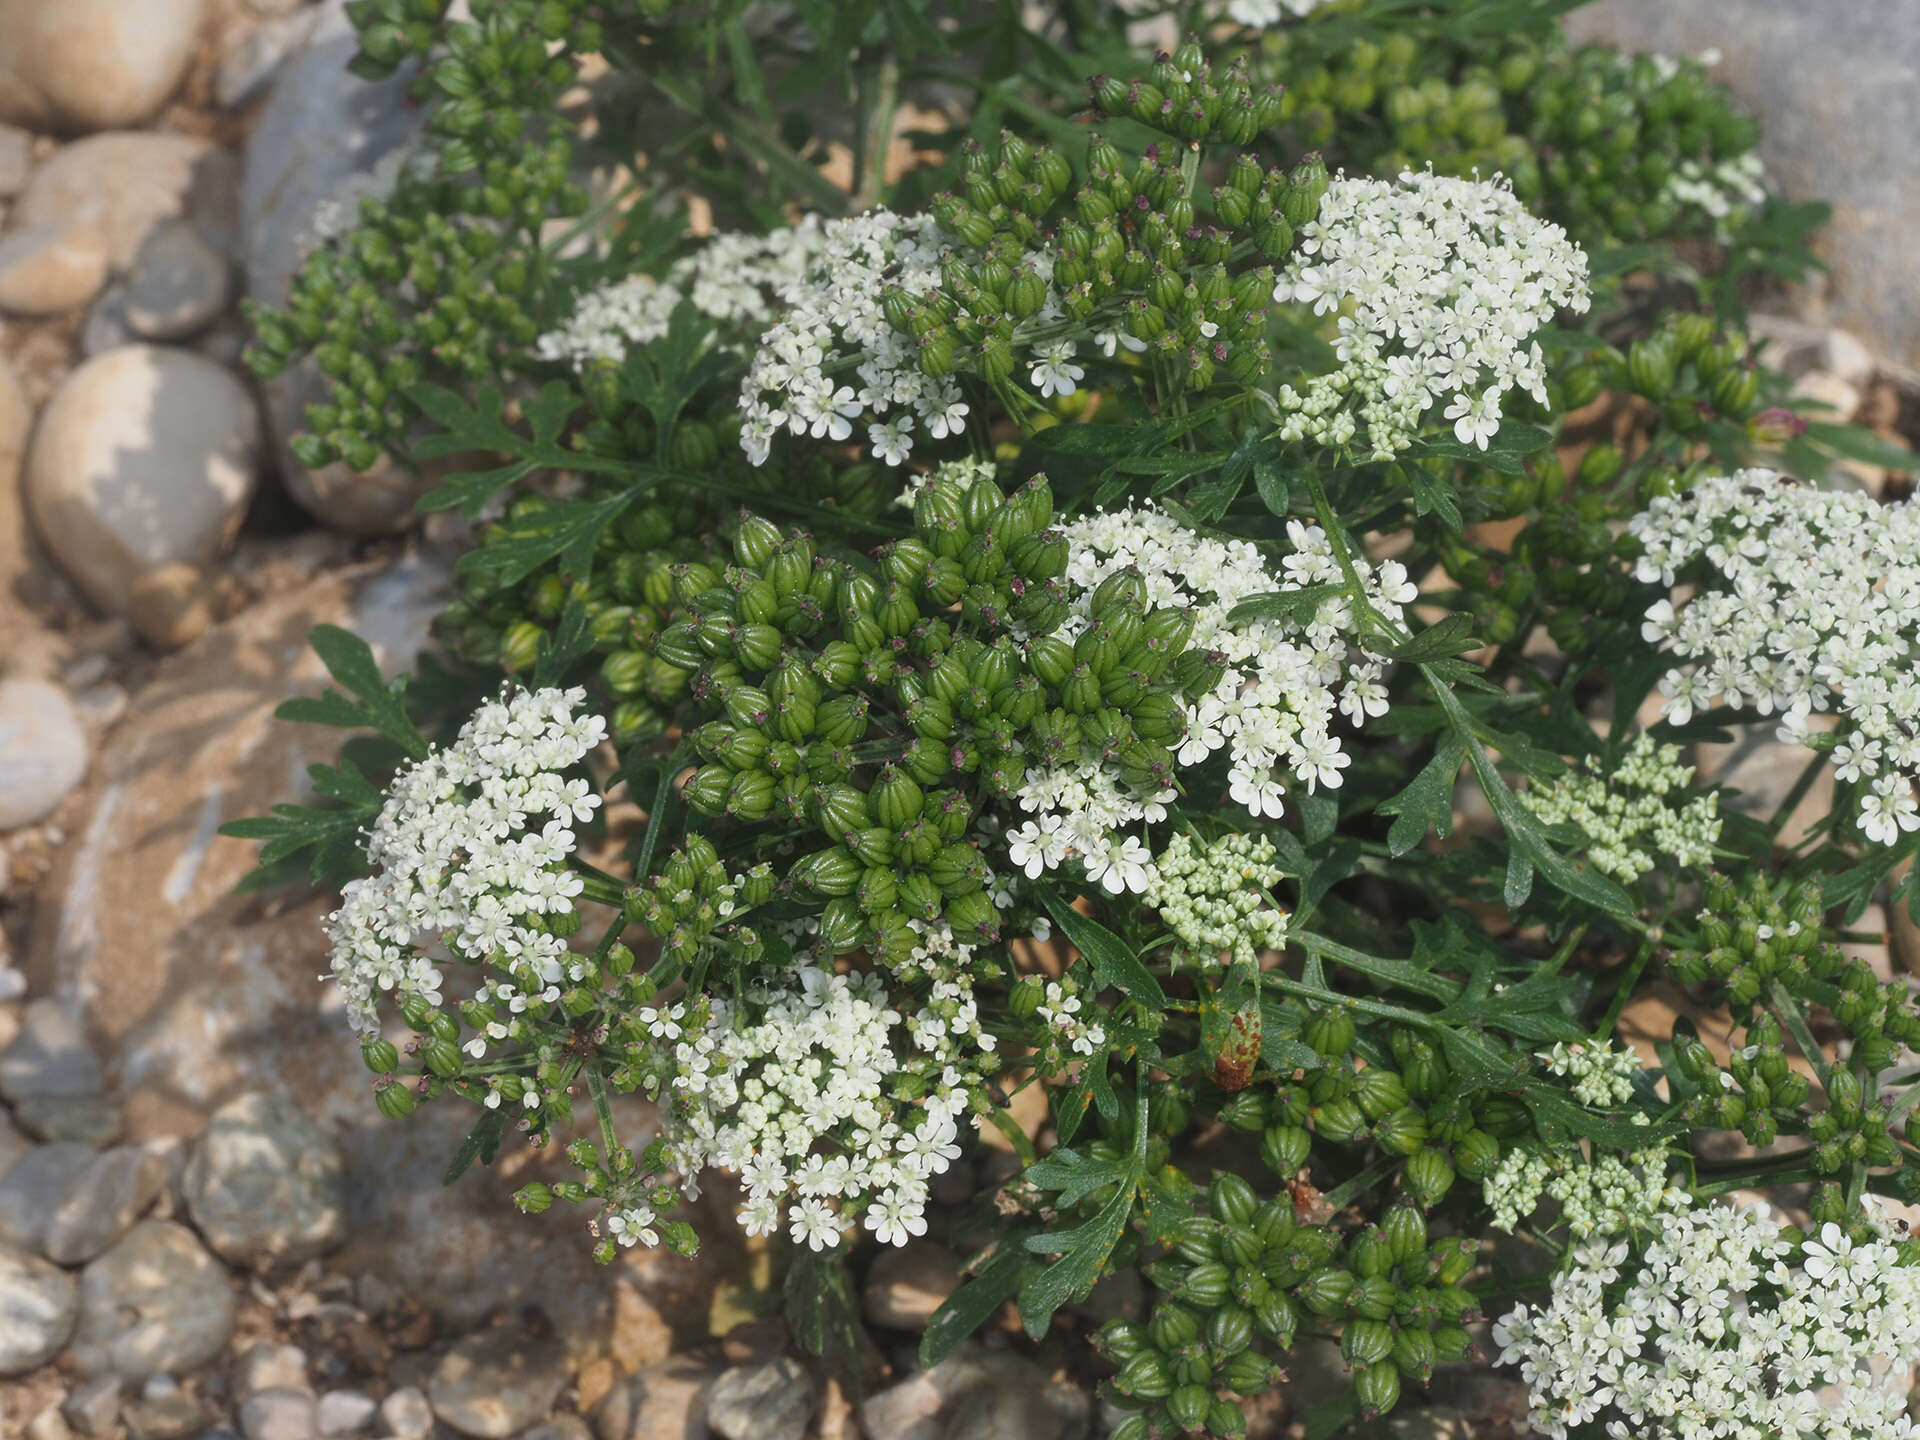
(45, 270)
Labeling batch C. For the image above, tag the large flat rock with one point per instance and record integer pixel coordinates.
(1836, 87)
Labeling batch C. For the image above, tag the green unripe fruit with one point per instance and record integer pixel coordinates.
(1277, 1319)
(1326, 1291)
(1402, 1133)
(1476, 1155)
(1231, 1199)
(1377, 1388)
(1451, 1344)
(1599, 465)
(1365, 1342)
(755, 541)
(1230, 1331)
(394, 1100)
(707, 791)
(1735, 390)
(1427, 1176)
(1205, 1285)
(379, 1055)
(1414, 1353)
(1284, 1148)
(1370, 1254)
(1650, 368)
(442, 1057)
(1245, 1112)
(1188, 1407)
(1331, 1033)
(1172, 1326)
(1406, 1231)
(1145, 1377)
(1379, 1092)
(1249, 1373)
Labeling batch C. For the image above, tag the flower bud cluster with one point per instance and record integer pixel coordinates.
(732, 279)
(1215, 900)
(1609, 1195)
(629, 600)
(1619, 149)
(1630, 823)
(1440, 285)
(472, 852)
(1809, 602)
(1724, 1314)
(1250, 1275)
(829, 1103)
(443, 274)
(1186, 97)
(1399, 1109)
(1754, 947)
(1602, 1075)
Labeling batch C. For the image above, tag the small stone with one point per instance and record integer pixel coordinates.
(407, 1413)
(1020, 1400)
(12, 1143)
(93, 1407)
(916, 1408)
(171, 606)
(156, 1301)
(49, 1424)
(32, 1186)
(92, 1120)
(667, 1401)
(1429, 1422)
(265, 1183)
(106, 328)
(497, 1382)
(561, 1427)
(48, 271)
(102, 1204)
(1828, 395)
(178, 285)
(641, 1335)
(344, 1412)
(16, 160)
(43, 755)
(253, 54)
(1842, 354)
(770, 1401)
(90, 64)
(39, 1308)
(145, 456)
(277, 1415)
(908, 1283)
(50, 1055)
(267, 1366)
(164, 1414)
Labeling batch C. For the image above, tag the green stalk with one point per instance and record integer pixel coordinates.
(1788, 1009)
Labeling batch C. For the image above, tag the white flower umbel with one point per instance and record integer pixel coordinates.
(1215, 901)
(828, 1101)
(1629, 818)
(1810, 602)
(733, 278)
(1722, 1327)
(832, 358)
(1440, 284)
(470, 853)
(1272, 711)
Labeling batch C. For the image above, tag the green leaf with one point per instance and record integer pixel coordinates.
(969, 1307)
(1319, 815)
(1113, 961)
(567, 529)
(1427, 802)
(1434, 496)
(1299, 606)
(1271, 484)
(482, 1144)
(1445, 448)
(481, 428)
(571, 641)
(1525, 834)
(1281, 1047)
(1083, 1253)
(1075, 1176)
(1087, 440)
(821, 1311)
(381, 705)
(1451, 636)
